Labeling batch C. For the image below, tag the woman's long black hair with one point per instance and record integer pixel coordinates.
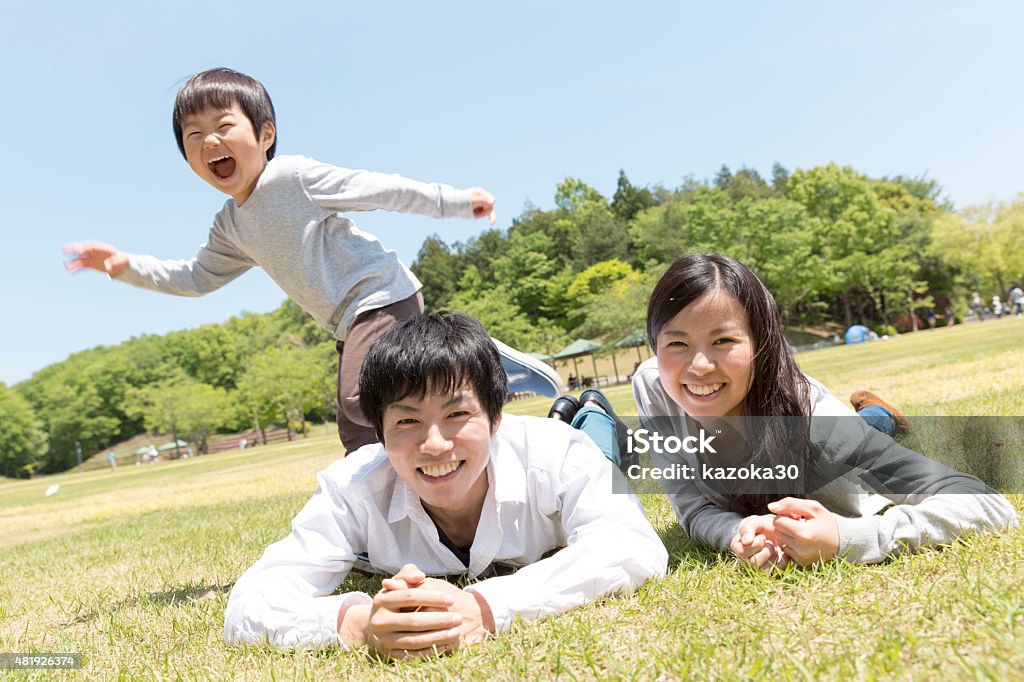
(777, 386)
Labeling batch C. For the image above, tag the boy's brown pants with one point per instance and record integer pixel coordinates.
(353, 426)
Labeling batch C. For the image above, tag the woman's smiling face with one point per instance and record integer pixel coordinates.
(706, 357)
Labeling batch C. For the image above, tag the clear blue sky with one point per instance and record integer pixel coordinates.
(512, 96)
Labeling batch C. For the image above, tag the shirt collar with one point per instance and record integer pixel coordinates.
(404, 502)
(506, 473)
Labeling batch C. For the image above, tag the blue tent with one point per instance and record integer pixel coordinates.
(858, 333)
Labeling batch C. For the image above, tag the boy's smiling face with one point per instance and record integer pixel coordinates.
(440, 445)
(224, 150)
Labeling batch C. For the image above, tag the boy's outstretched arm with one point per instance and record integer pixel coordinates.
(215, 264)
(95, 255)
(341, 190)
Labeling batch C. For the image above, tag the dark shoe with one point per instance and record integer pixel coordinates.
(595, 396)
(564, 408)
(592, 395)
(862, 399)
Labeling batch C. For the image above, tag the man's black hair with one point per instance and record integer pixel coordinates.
(436, 353)
(219, 89)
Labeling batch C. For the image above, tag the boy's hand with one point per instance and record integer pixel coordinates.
(756, 543)
(409, 620)
(483, 204)
(95, 255)
(807, 532)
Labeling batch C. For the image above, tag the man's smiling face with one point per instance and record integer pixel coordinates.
(439, 444)
(223, 149)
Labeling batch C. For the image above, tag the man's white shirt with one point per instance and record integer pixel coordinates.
(549, 487)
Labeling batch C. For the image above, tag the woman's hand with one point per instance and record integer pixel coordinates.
(756, 543)
(805, 530)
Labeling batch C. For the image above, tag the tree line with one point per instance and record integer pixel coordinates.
(249, 372)
(834, 246)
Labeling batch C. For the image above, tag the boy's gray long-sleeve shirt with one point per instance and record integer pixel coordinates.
(291, 227)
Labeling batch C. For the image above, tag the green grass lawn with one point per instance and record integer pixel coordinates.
(132, 568)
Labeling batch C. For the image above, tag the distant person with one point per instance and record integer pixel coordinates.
(950, 317)
(978, 306)
(285, 215)
(997, 307)
(722, 368)
(1017, 299)
(112, 460)
(523, 506)
(932, 318)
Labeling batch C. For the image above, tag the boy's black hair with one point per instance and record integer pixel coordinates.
(437, 353)
(219, 89)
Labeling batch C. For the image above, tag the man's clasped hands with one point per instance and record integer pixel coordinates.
(414, 615)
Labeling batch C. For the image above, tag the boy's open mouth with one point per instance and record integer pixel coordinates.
(222, 167)
(703, 390)
(440, 470)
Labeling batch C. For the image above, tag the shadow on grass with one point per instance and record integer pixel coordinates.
(189, 594)
(683, 550)
(170, 597)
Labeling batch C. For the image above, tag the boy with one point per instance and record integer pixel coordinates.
(454, 488)
(283, 215)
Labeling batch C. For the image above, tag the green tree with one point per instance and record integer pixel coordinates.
(79, 401)
(746, 183)
(701, 220)
(780, 179)
(774, 239)
(22, 440)
(285, 383)
(572, 194)
(480, 251)
(985, 243)
(534, 281)
(613, 300)
(855, 236)
(629, 200)
(499, 315)
(600, 277)
(208, 354)
(182, 407)
(437, 268)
